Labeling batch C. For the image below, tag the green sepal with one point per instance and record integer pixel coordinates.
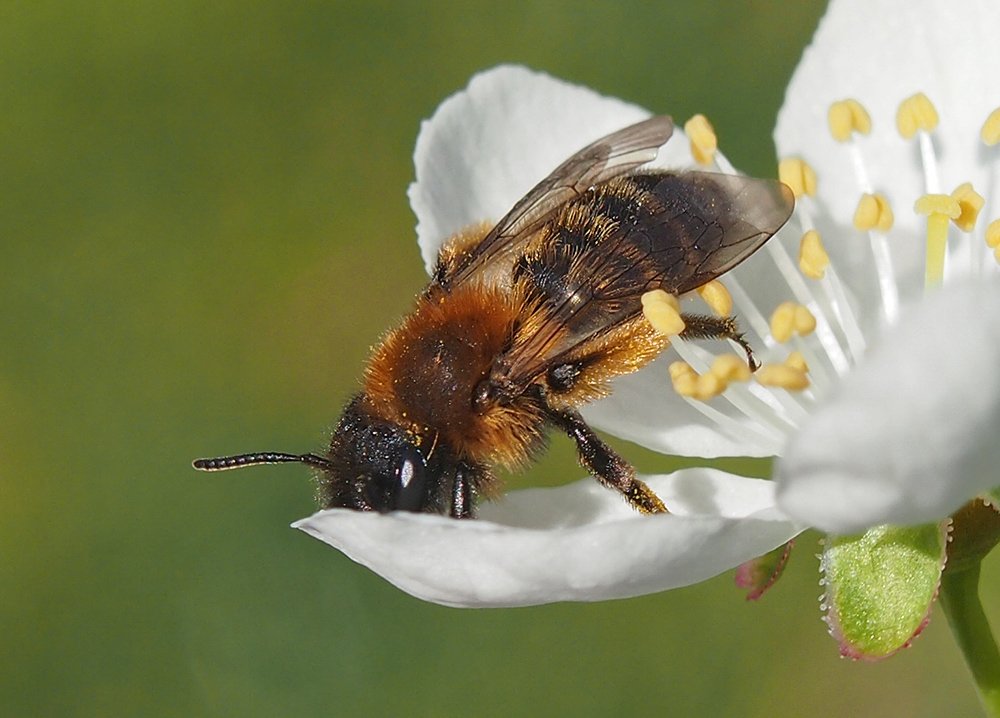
(880, 585)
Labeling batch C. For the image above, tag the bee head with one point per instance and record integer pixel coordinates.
(372, 465)
(375, 465)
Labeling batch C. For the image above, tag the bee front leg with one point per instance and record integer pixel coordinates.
(605, 465)
(462, 500)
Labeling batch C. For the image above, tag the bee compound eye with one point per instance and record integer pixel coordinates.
(411, 481)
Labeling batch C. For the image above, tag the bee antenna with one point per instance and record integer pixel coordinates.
(223, 463)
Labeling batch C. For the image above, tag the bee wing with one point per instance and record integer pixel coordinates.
(616, 154)
(695, 226)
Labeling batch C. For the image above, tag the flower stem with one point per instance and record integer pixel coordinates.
(961, 604)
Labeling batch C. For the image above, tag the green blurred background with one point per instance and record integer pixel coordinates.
(204, 226)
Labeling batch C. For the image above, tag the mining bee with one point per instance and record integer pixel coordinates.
(524, 322)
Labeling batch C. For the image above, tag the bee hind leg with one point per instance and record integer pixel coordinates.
(605, 465)
(703, 326)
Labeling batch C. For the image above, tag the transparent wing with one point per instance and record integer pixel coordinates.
(614, 155)
(689, 229)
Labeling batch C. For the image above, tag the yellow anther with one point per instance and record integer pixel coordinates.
(795, 360)
(993, 234)
(782, 376)
(873, 212)
(704, 143)
(730, 367)
(662, 311)
(803, 321)
(684, 379)
(848, 116)
(790, 318)
(990, 133)
(996, 254)
(783, 322)
(813, 259)
(709, 386)
(916, 113)
(798, 175)
(939, 208)
(717, 297)
(687, 382)
(970, 203)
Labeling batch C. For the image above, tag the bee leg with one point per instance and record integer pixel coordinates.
(605, 465)
(462, 506)
(703, 326)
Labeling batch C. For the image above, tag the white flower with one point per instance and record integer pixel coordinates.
(897, 422)
(483, 150)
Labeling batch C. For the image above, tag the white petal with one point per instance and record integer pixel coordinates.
(490, 143)
(574, 543)
(911, 434)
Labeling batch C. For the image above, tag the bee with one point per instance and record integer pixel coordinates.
(526, 321)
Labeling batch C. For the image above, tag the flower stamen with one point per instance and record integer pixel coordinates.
(874, 215)
(773, 414)
(918, 116)
(847, 117)
(803, 178)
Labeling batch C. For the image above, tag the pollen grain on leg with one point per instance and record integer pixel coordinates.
(702, 137)
(717, 297)
(662, 311)
(847, 117)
